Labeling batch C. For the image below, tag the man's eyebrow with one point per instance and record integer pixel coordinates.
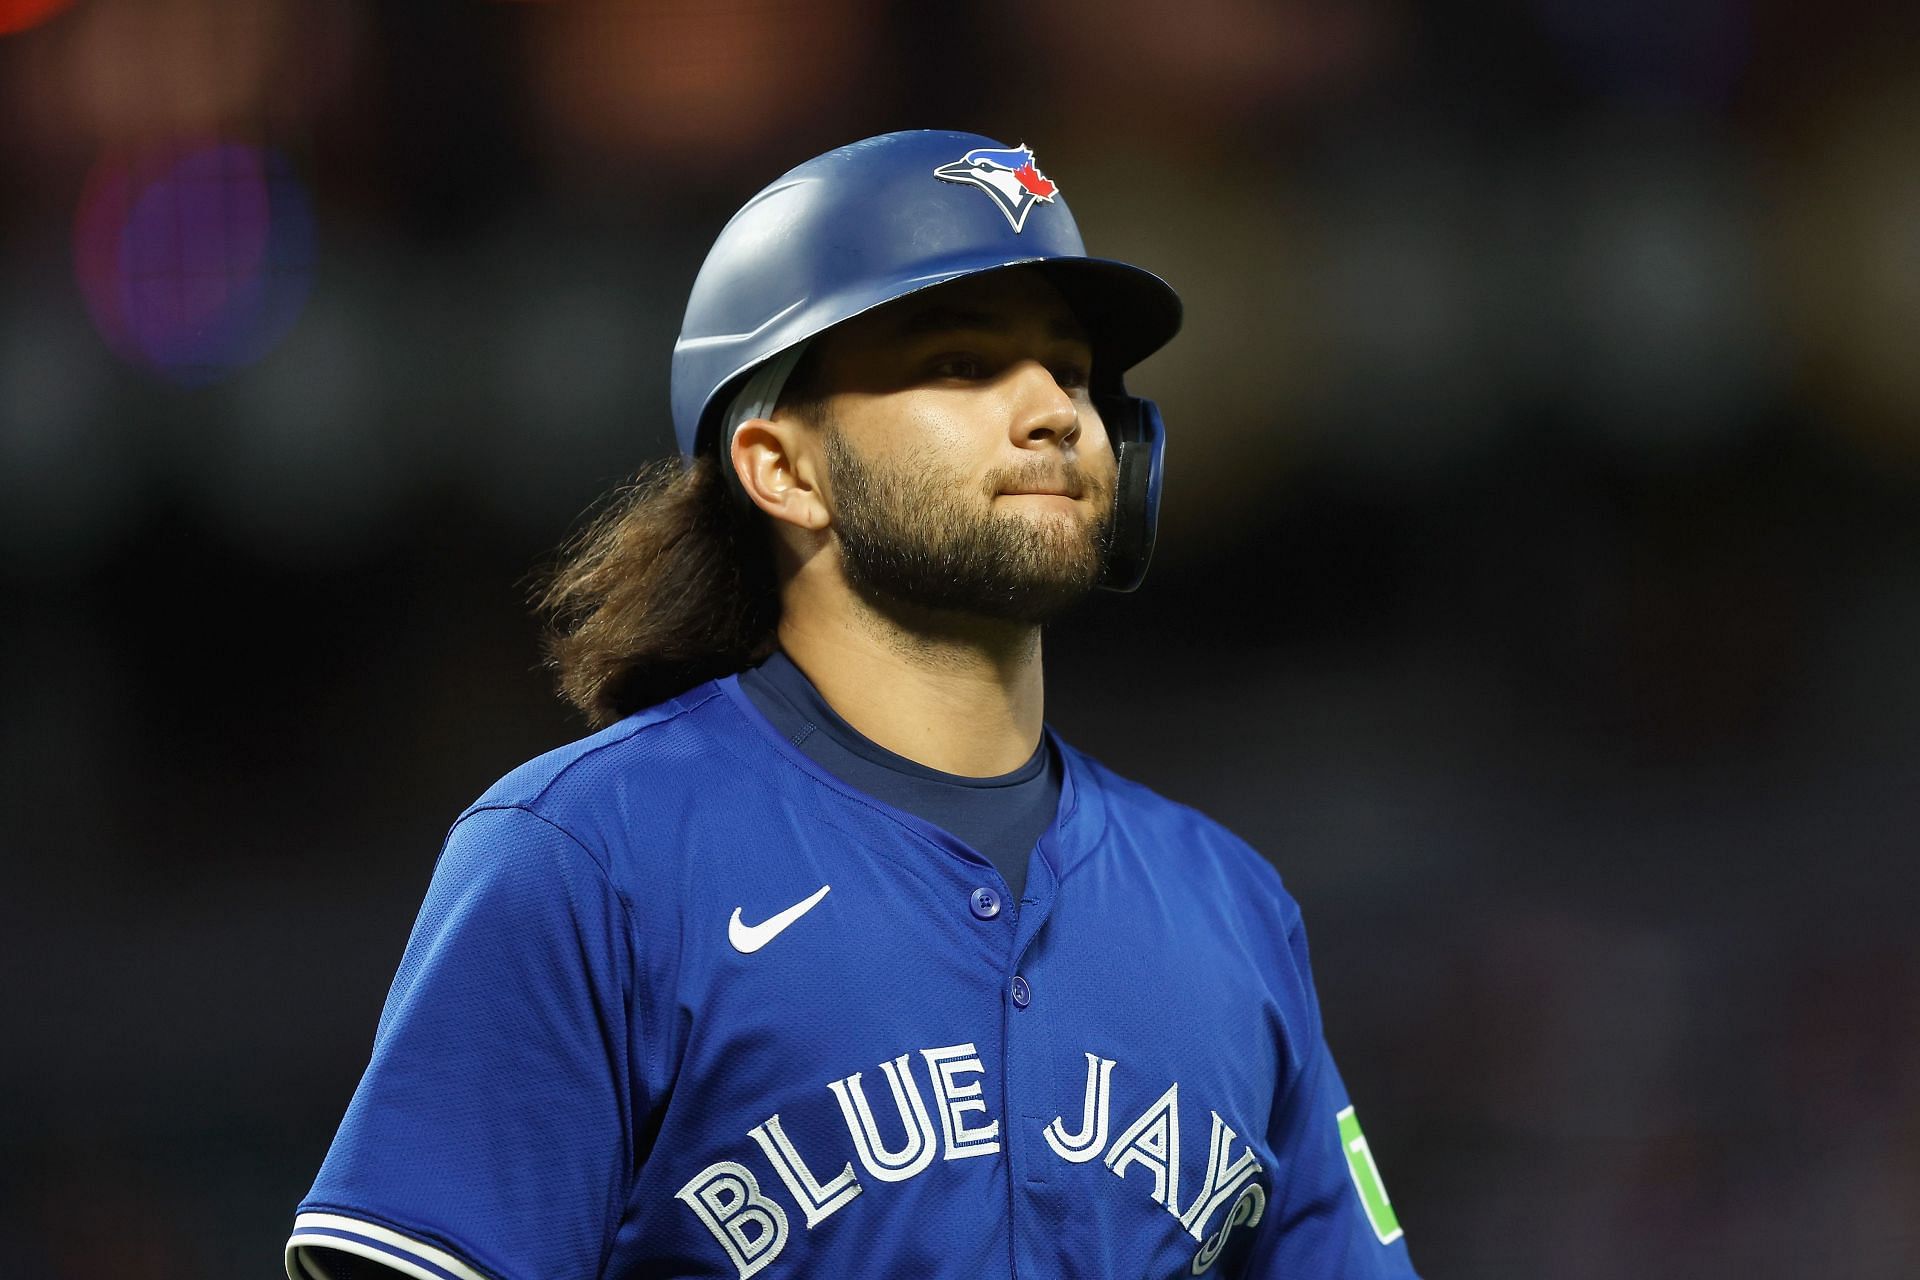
(956, 320)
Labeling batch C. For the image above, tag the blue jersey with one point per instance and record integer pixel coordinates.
(679, 1002)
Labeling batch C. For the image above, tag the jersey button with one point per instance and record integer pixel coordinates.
(985, 903)
(1022, 993)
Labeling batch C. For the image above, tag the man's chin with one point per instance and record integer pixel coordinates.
(1029, 599)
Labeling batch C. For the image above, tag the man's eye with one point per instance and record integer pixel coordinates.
(958, 366)
(1071, 376)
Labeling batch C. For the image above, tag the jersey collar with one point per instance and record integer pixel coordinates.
(1073, 834)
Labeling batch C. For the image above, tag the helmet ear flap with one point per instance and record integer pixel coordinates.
(1139, 447)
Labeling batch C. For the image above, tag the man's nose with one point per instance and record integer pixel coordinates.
(1046, 412)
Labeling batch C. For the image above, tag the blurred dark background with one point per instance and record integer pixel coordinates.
(1539, 585)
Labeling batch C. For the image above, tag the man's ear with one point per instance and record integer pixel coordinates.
(777, 471)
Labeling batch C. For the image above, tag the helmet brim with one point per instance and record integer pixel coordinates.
(1129, 312)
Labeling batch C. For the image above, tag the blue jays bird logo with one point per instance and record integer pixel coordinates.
(1007, 174)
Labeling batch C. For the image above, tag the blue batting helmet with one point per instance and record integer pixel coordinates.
(888, 216)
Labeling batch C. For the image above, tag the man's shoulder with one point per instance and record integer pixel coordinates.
(1137, 812)
(652, 753)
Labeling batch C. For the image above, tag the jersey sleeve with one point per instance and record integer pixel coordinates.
(491, 1132)
(1330, 1215)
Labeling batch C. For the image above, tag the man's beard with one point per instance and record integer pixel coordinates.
(908, 536)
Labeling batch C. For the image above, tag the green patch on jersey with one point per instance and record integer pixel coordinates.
(1366, 1179)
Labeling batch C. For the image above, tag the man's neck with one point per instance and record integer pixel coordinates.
(961, 695)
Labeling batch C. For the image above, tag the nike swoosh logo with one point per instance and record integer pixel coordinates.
(749, 938)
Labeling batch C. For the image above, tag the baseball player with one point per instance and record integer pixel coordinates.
(825, 956)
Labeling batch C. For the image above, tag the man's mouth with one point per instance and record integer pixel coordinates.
(1051, 487)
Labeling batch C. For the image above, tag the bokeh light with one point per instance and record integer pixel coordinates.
(18, 15)
(1846, 222)
(193, 260)
(1211, 64)
(695, 83)
(129, 72)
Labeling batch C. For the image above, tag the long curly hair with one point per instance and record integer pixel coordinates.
(669, 584)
